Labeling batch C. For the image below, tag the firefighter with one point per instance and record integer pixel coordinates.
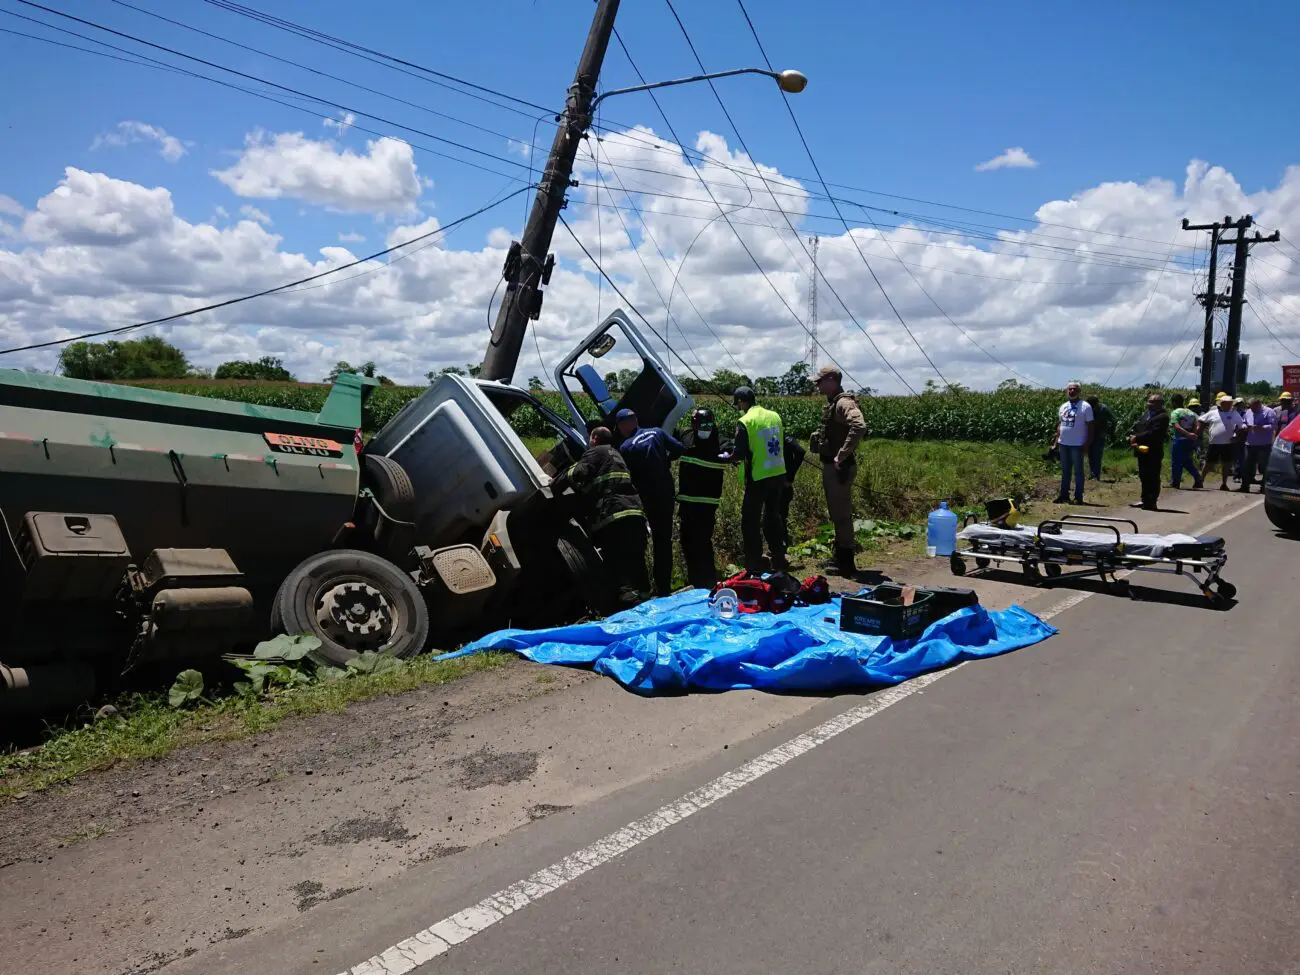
(836, 443)
(700, 471)
(649, 452)
(610, 510)
(760, 454)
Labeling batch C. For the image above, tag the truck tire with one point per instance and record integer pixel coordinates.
(391, 485)
(395, 494)
(586, 568)
(353, 602)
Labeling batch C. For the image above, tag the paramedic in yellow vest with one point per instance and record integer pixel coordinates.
(761, 456)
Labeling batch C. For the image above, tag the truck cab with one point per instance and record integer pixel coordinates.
(476, 480)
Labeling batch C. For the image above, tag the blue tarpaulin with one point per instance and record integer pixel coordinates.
(674, 644)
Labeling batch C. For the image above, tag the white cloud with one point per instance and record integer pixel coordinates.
(351, 237)
(289, 165)
(10, 206)
(340, 124)
(253, 213)
(126, 133)
(220, 212)
(1013, 158)
(97, 252)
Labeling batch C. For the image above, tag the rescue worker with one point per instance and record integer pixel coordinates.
(836, 442)
(648, 452)
(794, 455)
(609, 508)
(761, 456)
(1286, 412)
(700, 471)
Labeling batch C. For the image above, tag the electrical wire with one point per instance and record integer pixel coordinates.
(146, 61)
(268, 291)
(285, 88)
(739, 238)
(317, 71)
(1142, 318)
(339, 43)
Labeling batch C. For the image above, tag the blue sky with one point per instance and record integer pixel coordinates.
(903, 98)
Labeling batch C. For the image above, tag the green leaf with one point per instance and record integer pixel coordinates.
(187, 687)
(863, 525)
(286, 647)
(373, 663)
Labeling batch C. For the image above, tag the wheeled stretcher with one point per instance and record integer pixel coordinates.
(1088, 545)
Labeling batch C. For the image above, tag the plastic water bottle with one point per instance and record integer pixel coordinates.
(941, 530)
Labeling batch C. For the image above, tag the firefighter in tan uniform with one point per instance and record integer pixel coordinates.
(836, 442)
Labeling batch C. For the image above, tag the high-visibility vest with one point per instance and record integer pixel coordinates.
(766, 444)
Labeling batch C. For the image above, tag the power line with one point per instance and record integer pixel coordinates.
(817, 169)
(154, 63)
(339, 43)
(285, 88)
(739, 238)
(317, 71)
(1143, 317)
(268, 291)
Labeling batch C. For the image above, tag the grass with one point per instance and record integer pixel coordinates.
(148, 728)
(898, 483)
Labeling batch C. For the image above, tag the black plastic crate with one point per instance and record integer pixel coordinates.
(881, 613)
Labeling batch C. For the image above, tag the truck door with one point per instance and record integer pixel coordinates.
(615, 368)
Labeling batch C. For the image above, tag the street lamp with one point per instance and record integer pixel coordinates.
(789, 81)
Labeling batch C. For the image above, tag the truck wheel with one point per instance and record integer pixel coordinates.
(391, 485)
(353, 602)
(586, 568)
(395, 494)
(1287, 521)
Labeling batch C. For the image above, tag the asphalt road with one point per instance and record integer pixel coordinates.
(1124, 797)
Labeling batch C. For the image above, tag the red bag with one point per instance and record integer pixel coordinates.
(814, 591)
(753, 594)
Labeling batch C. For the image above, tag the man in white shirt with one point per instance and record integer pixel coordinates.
(1075, 427)
(1225, 427)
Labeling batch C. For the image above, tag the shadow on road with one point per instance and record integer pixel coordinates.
(1121, 589)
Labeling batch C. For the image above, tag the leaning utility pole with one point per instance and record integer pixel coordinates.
(529, 263)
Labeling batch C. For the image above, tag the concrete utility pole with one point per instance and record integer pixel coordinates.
(1234, 301)
(529, 263)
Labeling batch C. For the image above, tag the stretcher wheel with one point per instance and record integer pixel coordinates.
(957, 564)
(1052, 570)
(1226, 589)
(983, 563)
(1031, 570)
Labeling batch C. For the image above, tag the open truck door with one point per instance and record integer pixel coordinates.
(617, 348)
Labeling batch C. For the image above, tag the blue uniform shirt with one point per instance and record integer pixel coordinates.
(647, 453)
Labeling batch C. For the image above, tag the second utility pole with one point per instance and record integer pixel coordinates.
(528, 265)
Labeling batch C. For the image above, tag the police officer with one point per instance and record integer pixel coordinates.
(761, 456)
(836, 443)
(609, 508)
(648, 452)
(700, 471)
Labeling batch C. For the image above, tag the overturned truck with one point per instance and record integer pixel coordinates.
(147, 529)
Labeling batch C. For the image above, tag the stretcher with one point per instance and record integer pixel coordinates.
(1075, 546)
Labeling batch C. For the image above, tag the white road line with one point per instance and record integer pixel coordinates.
(426, 945)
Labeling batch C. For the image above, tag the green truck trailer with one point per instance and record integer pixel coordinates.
(149, 529)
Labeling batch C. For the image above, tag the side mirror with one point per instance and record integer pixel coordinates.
(602, 345)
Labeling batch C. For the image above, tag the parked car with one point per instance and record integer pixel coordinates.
(1282, 480)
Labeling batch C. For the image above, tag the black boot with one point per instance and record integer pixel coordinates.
(845, 564)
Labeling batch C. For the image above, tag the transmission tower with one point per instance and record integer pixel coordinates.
(812, 308)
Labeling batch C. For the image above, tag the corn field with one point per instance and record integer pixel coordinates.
(1012, 416)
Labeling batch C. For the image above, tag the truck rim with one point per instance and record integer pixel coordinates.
(356, 615)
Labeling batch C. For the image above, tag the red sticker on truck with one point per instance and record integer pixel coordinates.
(286, 443)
